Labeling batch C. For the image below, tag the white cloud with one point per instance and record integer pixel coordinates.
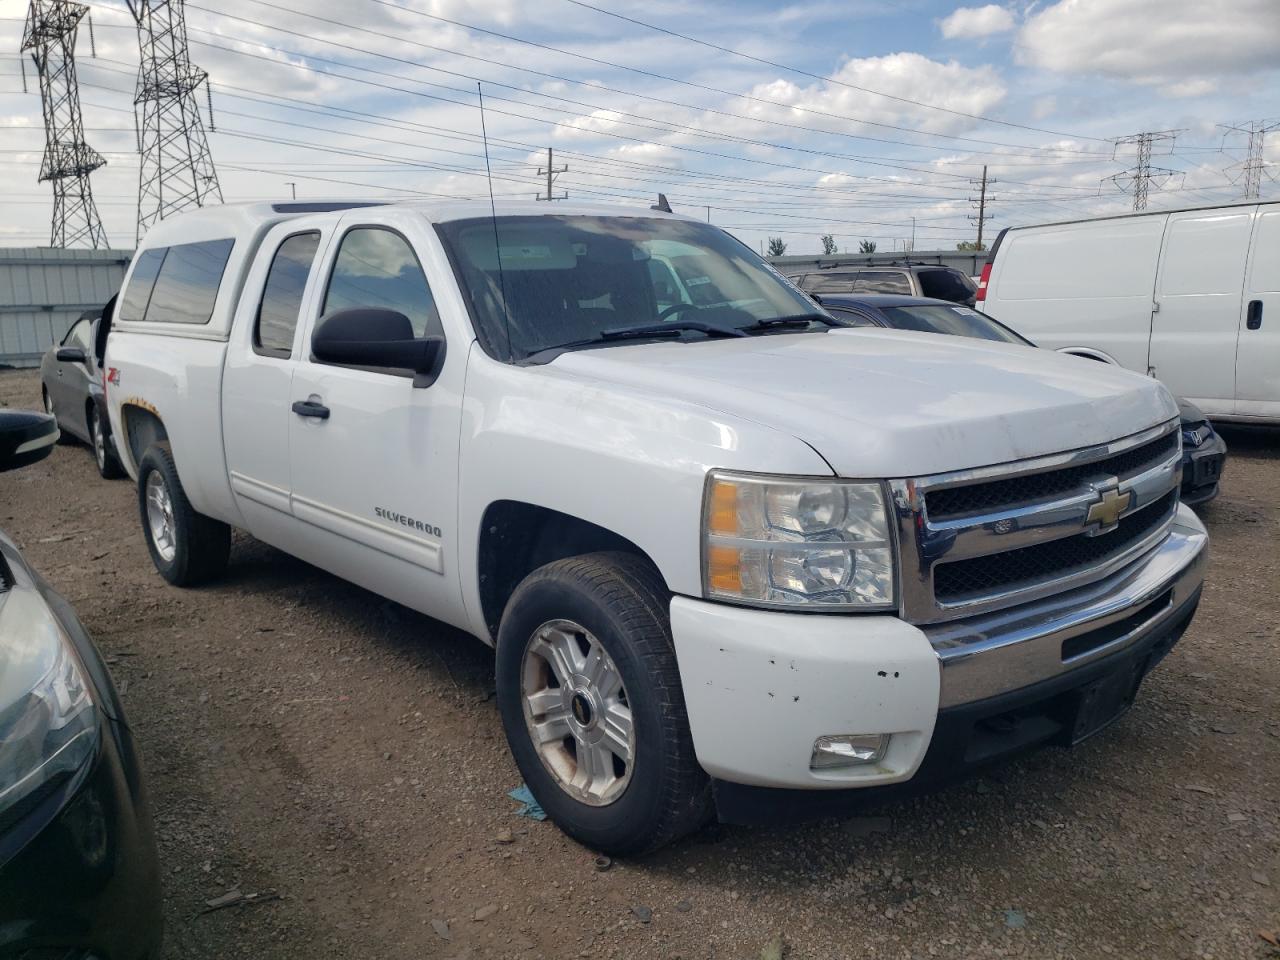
(977, 22)
(1183, 48)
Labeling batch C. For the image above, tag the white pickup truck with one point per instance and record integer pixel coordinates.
(733, 557)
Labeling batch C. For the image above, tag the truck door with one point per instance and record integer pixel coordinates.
(1258, 354)
(374, 458)
(266, 341)
(1196, 323)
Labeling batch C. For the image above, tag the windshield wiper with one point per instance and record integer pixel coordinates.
(795, 320)
(645, 331)
(671, 328)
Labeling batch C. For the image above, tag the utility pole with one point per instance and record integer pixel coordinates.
(293, 189)
(1249, 170)
(550, 173)
(177, 168)
(50, 35)
(981, 200)
(708, 213)
(913, 234)
(1138, 178)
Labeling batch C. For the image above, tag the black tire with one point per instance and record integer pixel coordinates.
(201, 545)
(105, 458)
(622, 601)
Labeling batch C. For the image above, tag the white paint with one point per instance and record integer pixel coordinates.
(762, 686)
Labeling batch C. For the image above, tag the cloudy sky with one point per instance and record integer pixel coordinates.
(847, 117)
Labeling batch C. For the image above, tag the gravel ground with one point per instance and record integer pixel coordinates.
(305, 738)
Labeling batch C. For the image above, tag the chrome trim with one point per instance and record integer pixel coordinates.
(985, 656)
(925, 544)
(1053, 461)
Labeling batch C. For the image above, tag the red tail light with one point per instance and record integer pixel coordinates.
(982, 282)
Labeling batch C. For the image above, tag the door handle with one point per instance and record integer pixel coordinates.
(1253, 319)
(309, 408)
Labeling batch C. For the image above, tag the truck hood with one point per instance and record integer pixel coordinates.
(892, 403)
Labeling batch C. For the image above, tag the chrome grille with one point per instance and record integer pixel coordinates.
(993, 537)
(966, 579)
(971, 498)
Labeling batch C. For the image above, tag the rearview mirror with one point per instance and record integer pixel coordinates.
(71, 355)
(374, 337)
(25, 438)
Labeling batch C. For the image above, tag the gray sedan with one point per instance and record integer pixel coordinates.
(71, 381)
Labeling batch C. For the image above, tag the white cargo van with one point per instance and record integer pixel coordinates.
(1191, 297)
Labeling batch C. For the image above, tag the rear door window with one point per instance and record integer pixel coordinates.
(829, 283)
(188, 283)
(945, 285)
(138, 294)
(282, 295)
(883, 281)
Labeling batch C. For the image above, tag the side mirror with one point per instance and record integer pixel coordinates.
(25, 438)
(71, 355)
(374, 337)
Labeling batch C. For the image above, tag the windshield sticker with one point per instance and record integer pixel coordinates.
(697, 281)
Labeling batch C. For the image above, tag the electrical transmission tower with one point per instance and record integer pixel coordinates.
(1249, 171)
(980, 201)
(177, 168)
(50, 35)
(1138, 178)
(550, 173)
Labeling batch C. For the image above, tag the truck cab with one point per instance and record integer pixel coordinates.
(733, 558)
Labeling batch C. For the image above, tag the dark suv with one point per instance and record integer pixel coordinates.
(906, 279)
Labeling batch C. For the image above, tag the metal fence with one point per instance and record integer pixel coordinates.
(42, 292)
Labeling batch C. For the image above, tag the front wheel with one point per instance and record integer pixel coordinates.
(187, 547)
(592, 706)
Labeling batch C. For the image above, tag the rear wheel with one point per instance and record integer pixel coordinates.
(592, 706)
(108, 466)
(187, 547)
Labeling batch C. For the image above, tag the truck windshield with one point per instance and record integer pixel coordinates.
(577, 281)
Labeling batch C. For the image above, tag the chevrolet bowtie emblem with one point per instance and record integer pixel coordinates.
(1106, 511)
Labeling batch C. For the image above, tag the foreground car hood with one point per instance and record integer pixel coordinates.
(892, 403)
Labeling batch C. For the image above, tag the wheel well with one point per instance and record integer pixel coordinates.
(142, 428)
(517, 538)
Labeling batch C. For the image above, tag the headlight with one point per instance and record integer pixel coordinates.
(48, 728)
(781, 542)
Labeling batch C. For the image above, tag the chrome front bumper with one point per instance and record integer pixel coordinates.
(985, 656)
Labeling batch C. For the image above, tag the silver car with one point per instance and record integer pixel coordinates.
(71, 378)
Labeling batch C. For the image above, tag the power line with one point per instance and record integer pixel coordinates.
(816, 76)
(981, 200)
(177, 168)
(1248, 172)
(50, 35)
(551, 172)
(1138, 178)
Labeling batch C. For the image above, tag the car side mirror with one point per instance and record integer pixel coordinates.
(374, 337)
(25, 438)
(71, 355)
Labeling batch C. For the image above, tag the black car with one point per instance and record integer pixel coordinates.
(904, 279)
(72, 384)
(1203, 451)
(79, 876)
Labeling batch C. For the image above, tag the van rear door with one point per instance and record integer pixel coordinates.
(1196, 324)
(1258, 352)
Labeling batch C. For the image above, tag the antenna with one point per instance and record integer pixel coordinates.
(493, 214)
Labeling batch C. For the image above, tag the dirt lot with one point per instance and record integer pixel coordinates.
(307, 738)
